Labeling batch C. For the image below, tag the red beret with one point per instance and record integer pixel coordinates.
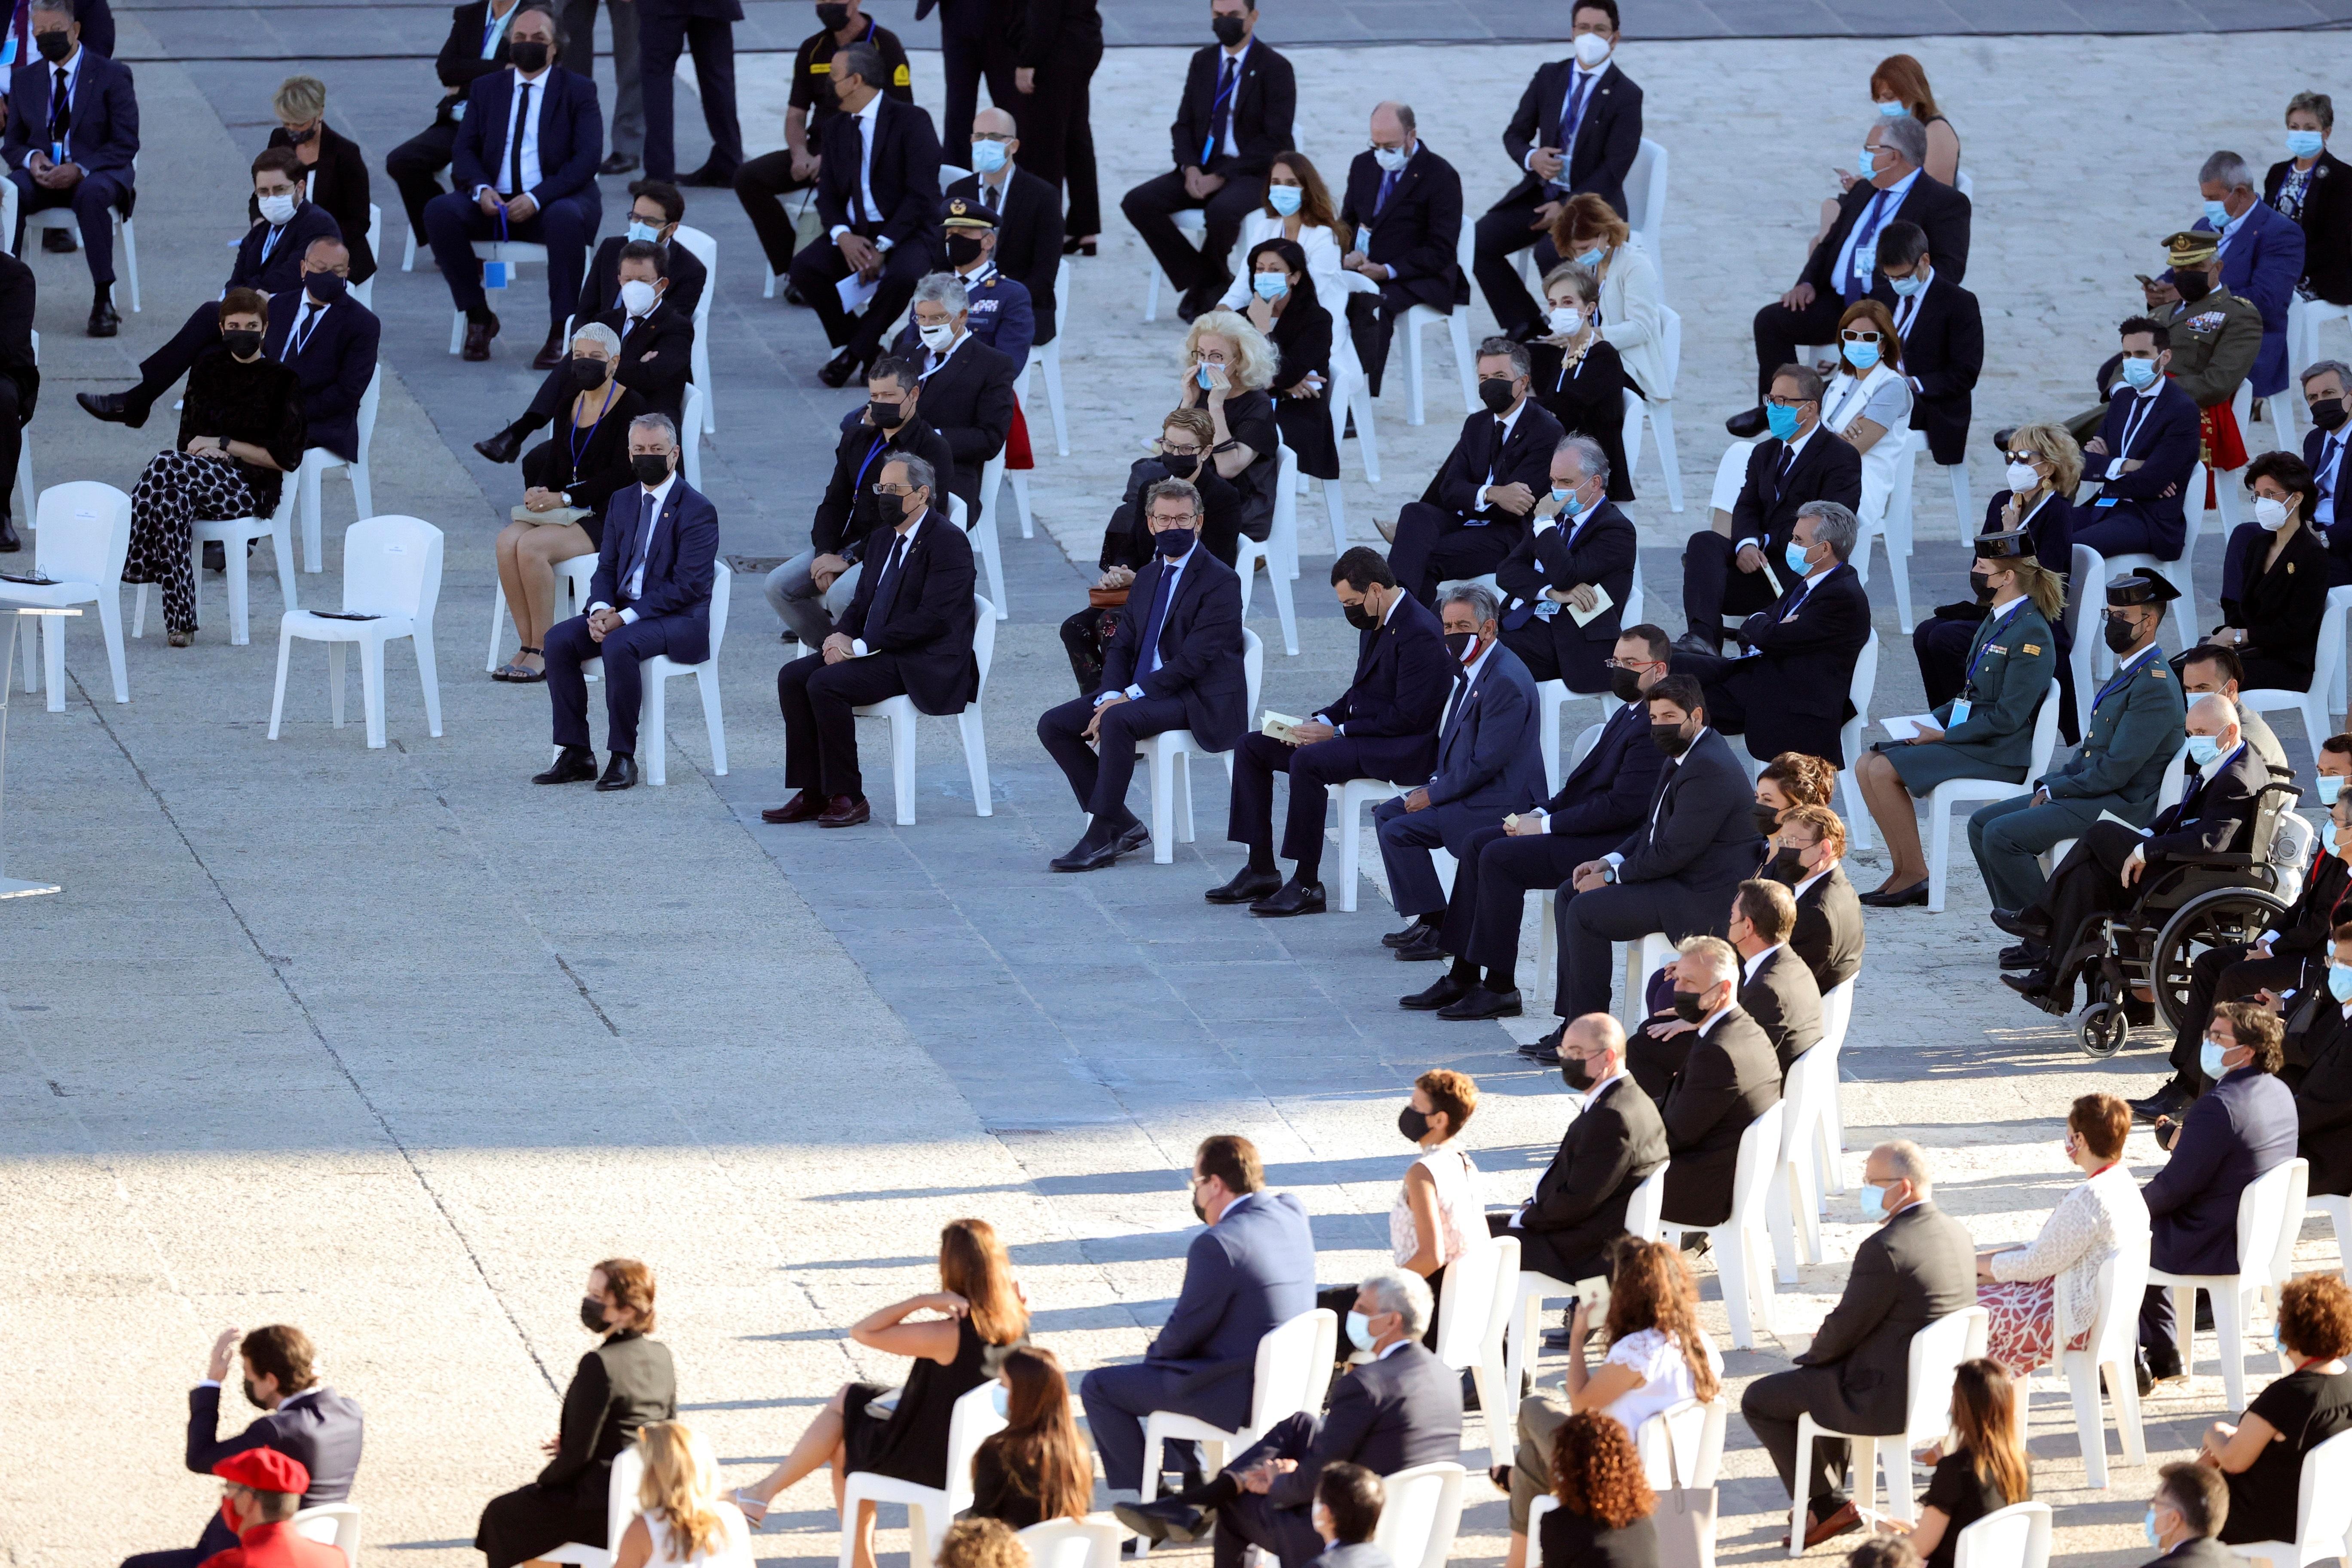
(265, 1470)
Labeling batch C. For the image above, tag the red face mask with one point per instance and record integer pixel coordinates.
(229, 1517)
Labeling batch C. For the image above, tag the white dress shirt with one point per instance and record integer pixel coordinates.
(530, 132)
(1888, 201)
(636, 585)
(868, 117)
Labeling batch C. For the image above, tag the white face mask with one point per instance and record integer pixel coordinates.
(2021, 477)
(1391, 159)
(1567, 319)
(637, 297)
(938, 338)
(276, 210)
(1592, 49)
(2270, 513)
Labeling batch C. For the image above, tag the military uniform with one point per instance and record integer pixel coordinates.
(2011, 661)
(2214, 341)
(1001, 313)
(2134, 728)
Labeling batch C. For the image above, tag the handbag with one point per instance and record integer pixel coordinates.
(1685, 1518)
(1106, 598)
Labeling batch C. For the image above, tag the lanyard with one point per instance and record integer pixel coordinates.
(871, 453)
(496, 30)
(2116, 684)
(578, 442)
(1209, 147)
(2133, 419)
(269, 241)
(1977, 658)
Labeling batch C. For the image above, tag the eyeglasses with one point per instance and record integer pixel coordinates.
(1858, 336)
(1635, 665)
(894, 491)
(1167, 451)
(996, 136)
(1776, 401)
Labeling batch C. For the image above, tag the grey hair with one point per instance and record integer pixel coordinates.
(920, 473)
(300, 97)
(1484, 606)
(1403, 112)
(1183, 490)
(1587, 281)
(65, 7)
(1510, 349)
(1905, 137)
(660, 421)
(1406, 1295)
(2317, 103)
(605, 337)
(863, 61)
(1588, 453)
(2233, 172)
(1910, 1163)
(2321, 367)
(1713, 954)
(943, 288)
(1834, 525)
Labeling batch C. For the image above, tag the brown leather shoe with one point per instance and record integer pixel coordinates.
(1819, 1529)
(845, 811)
(803, 808)
(478, 333)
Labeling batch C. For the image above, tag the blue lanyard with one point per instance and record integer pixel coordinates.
(1209, 147)
(574, 439)
(269, 241)
(871, 453)
(2114, 684)
(1977, 658)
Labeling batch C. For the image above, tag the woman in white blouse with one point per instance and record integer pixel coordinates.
(1868, 404)
(1297, 207)
(1633, 317)
(2019, 1287)
(1437, 1214)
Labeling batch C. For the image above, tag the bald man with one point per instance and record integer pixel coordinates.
(1028, 213)
(1399, 223)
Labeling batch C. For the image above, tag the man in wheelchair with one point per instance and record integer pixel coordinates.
(2113, 868)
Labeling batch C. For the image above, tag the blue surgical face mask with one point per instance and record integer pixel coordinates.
(1569, 503)
(2330, 786)
(1873, 1202)
(2148, 1524)
(1202, 376)
(643, 232)
(1794, 553)
(1002, 1398)
(2209, 1061)
(2303, 143)
(2139, 374)
(1861, 356)
(1283, 199)
(1905, 286)
(1270, 286)
(987, 157)
(1360, 1331)
(1893, 109)
(1868, 166)
(1783, 421)
(1594, 256)
(2216, 214)
(2203, 750)
(2339, 982)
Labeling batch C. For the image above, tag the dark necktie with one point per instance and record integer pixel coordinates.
(2327, 471)
(640, 539)
(1866, 246)
(1572, 114)
(61, 108)
(514, 147)
(987, 195)
(1221, 111)
(295, 338)
(1380, 202)
(1161, 592)
(1780, 473)
(885, 589)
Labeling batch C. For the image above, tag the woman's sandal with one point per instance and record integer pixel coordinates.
(755, 1512)
(524, 675)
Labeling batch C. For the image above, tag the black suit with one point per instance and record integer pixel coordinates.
(656, 353)
(1939, 210)
(1728, 1077)
(905, 176)
(1198, 684)
(2325, 218)
(1597, 547)
(2324, 456)
(1855, 1376)
(1824, 468)
(20, 378)
(1792, 692)
(1062, 41)
(1829, 931)
(664, 29)
(1581, 1199)
(1608, 138)
(1943, 351)
(969, 401)
(1782, 1000)
(1445, 535)
(602, 289)
(1416, 233)
(339, 183)
(101, 139)
(847, 514)
(416, 164)
(1028, 238)
(2323, 1102)
(919, 629)
(268, 259)
(1254, 113)
(317, 1428)
(335, 357)
(621, 1385)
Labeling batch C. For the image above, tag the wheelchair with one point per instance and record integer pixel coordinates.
(2187, 905)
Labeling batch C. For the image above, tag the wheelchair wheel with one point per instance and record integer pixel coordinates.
(2218, 917)
(2103, 1029)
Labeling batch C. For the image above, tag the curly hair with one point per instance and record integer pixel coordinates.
(1255, 358)
(1454, 1093)
(2315, 1317)
(1828, 829)
(1597, 1472)
(1651, 1288)
(1805, 780)
(982, 1543)
(2258, 1029)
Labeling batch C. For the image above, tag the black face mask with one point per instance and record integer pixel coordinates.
(1495, 393)
(1198, 1212)
(252, 1395)
(1227, 28)
(244, 346)
(1173, 542)
(587, 374)
(1669, 739)
(650, 468)
(299, 137)
(529, 55)
(891, 509)
(1689, 1008)
(1981, 586)
(1767, 821)
(591, 1315)
(1575, 1073)
(1182, 467)
(1624, 685)
(1412, 1123)
(964, 250)
(2120, 636)
(833, 18)
(887, 415)
(325, 286)
(1361, 617)
(1787, 866)
(1458, 644)
(55, 45)
(2192, 286)
(2327, 413)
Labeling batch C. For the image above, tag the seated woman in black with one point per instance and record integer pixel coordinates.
(1575, 373)
(1037, 1468)
(1985, 1473)
(2044, 466)
(1284, 307)
(569, 478)
(2275, 578)
(1228, 365)
(2262, 1456)
(241, 433)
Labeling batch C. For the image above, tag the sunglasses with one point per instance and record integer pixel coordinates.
(1856, 335)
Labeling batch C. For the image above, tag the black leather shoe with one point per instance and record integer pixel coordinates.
(2140, 1373)
(114, 408)
(713, 174)
(1916, 893)
(57, 242)
(1426, 950)
(2024, 955)
(576, 764)
(10, 543)
(1096, 848)
(840, 368)
(550, 352)
(1545, 1050)
(1136, 836)
(2169, 1100)
(1446, 991)
(1692, 642)
(1295, 897)
(2034, 985)
(1165, 1520)
(1747, 423)
(479, 331)
(105, 321)
(845, 811)
(1413, 935)
(215, 558)
(620, 773)
(503, 448)
(2022, 923)
(1478, 1003)
(618, 164)
(1246, 888)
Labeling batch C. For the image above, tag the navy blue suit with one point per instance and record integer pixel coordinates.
(1249, 1273)
(1388, 730)
(571, 145)
(2132, 515)
(2331, 470)
(1200, 684)
(269, 260)
(335, 362)
(1488, 765)
(101, 138)
(2240, 1129)
(672, 608)
(2263, 262)
(318, 1428)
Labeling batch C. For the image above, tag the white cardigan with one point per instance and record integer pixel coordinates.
(2084, 1230)
(1878, 464)
(1632, 318)
(1322, 249)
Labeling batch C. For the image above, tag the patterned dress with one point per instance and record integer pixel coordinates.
(2090, 1225)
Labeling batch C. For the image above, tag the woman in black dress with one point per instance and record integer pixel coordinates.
(1037, 1468)
(1575, 373)
(568, 480)
(1228, 365)
(1605, 1500)
(241, 433)
(903, 1433)
(337, 170)
(1986, 1473)
(2262, 1456)
(2274, 579)
(1284, 307)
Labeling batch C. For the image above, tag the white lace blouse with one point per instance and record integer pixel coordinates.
(2081, 1234)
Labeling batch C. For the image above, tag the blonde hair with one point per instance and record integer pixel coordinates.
(2052, 441)
(2046, 588)
(681, 1487)
(1255, 370)
(302, 98)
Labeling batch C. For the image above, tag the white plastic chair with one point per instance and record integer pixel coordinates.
(1658, 412)
(2323, 1511)
(1645, 199)
(1937, 1351)
(2085, 603)
(2017, 1536)
(1292, 1370)
(904, 718)
(1808, 1106)
(2112, 1352)
(1351, 390)
(1278, 550)
(2270, 1211)
(1168, 764)
(2304, 320)
(1193, 225)
(1421, 1514)
(66, 218)
(1954, 792)
(2177, 573)
(653, 708)
(689, 435)
(335, 1524)
(986, 542)
(1534, 1288)
(571, 579)
(1690, 1428)
(1355, 795)
(392, 569)
(2327, 664)
(1456, 324)
(1866, 683)
(1090, 1543)
(620, 1507)
(81, 537)
(317, 461)
(2312, 705)
(929, 1510)
(1742, 1246)
(1472, 1311)
(1893, 529)
(1049, 356)
(365, 292)
(2280, 410)
(1837, 1012)
(232, 535)
(705, 250)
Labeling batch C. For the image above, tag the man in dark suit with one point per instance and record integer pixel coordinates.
(1578, 128)
(2149, 440)
(1249, 1272)
(664, 29)
(976, 40)
(651, 595)
(1843, 267)
(97, 19)
(476, 46)
(1721, 1075)
(302, 1418)
(2103, 872)
(1234, 116)
(1790, 690)
(1578, 542)
(2323, 1094)
(1383, 726)
(1001, 313)
(1610, 1148)
(1828, 934)
(655, 209)
(1603, 797)
(1489, 764)
(1942, 331)
(2325, 386)
(878, 194)
(20, 378)
(1675, 872)
(1474, 512)
(908, 632)
(656, 353)
(2231, 1135)
(2261, 256)
(73, 130)
(967, 385)
(1801, 464)
(1027, 246)
(1059, 47)
(1401, 218)
(524, 168)
(1918, 1266)
(330, 340)
(1178, 666)
(1774, 990)
(2191, 1503)
(1400, 1409)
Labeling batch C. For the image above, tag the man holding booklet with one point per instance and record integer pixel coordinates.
(1566, 581)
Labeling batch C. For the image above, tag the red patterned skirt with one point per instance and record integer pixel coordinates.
(2024, 1324)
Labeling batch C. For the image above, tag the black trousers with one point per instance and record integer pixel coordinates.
(1771, 1406)
(160, 370)
(663, 34)
(1313, 771)
(1202, 275)
(1502, 233)
(2088, 883)
(1587, 923)
(820, 730)
(1433, 545)
(1540, 1254)
(1942, 649)
(624, 651)
(818, 270)
(1372, 321)
(974, 42)
(1585, 670)
(1250, 1519)
(533, 1521)
(94, 199)
(1724, 709)
(1491, 884)
(1057, 136)
(1780, 330)
(2224, 975)
(1713, 584)
(1100, 781)
(416, 167)
(12, 440)
(758, 186)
